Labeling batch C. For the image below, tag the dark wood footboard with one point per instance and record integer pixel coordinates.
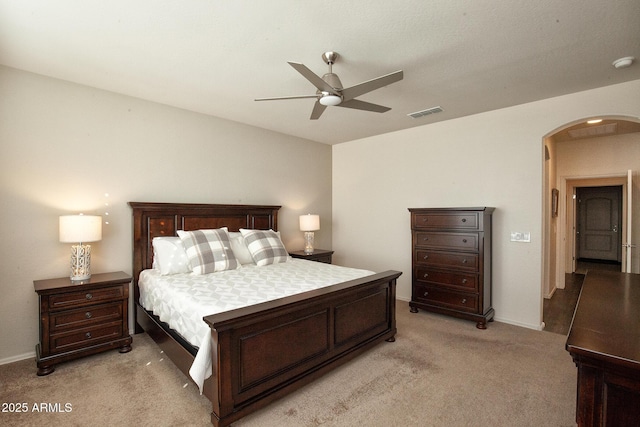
(268, 350)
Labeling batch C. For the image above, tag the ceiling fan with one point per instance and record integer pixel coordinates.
(331, 93)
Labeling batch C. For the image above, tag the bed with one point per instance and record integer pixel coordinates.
(254, 356)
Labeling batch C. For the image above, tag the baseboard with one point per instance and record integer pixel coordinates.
(550, 295)
(19, 357)
(523, 325)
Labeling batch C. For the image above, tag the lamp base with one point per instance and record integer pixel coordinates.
(80, 262)
(308, 242)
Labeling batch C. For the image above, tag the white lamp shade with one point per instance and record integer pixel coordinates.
(80, 228)
(309, 222)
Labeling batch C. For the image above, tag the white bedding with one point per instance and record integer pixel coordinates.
(182, 300)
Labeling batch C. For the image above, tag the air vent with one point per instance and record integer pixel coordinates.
(426, 112)
(592, 131)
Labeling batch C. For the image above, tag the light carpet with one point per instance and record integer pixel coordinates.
(440, 371)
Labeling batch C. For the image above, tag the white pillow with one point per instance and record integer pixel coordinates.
(209, 250)
(265, 246)
(239, 248)
(169, 256)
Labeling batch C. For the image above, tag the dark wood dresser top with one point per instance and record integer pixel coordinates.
(606, 324)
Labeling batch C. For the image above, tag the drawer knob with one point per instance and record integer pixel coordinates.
(464, 280)
(425, 239)
(425, 257)
(424, 219)
(88, 335)
(464, 300)
(464, 219)
(87, 315)
(464, 240)
(464, 261)
(426, 294)
(425, 275)
(89, 296)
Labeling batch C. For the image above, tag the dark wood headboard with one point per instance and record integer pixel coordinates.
(165, 219)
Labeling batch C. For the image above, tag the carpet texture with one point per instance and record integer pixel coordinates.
(440, 371)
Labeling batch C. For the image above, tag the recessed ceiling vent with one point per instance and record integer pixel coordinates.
(426, 112)
(592, 131)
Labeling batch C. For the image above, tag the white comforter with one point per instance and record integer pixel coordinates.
(182, 300)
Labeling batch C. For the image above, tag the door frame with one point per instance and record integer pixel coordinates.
(567, 215)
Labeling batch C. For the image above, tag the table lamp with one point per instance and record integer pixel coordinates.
(80, 229)
(309, 223)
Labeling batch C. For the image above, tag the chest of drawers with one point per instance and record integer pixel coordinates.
(451, 262)
(78, 319)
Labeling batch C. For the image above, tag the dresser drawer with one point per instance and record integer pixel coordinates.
(83, 298)
(85, 337)
(462, 281)
(441, 297)
(79, 318)
(460, 241)
(459, 261)
(458, 221)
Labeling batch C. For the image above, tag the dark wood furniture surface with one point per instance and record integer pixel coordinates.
(81, 318)
(604, 342)
(319, 255)
(265, 351)
(451, 262)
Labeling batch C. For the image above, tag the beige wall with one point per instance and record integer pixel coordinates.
(490, 159)
(64, 146)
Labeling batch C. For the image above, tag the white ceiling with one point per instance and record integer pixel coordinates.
(216, 56)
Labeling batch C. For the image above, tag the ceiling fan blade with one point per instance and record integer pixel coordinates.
(361, 105)
(313, 78)
(317, 111)
(286, 97)
(373, 84)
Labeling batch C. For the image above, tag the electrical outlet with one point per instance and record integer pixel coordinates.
(520, 236)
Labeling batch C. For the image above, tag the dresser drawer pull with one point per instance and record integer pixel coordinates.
(88, 335)
(464, 300)
(426, 294)
(464, 240)
(425, 257)
(426, 239)
(87, 315)
(464, 219)
(88, 296)
(424, 219)
(464, 261)
(464, 281)
(425, 275)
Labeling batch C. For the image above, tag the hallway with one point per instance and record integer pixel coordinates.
(558, 310)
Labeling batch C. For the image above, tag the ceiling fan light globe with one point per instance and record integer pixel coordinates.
(330, 100)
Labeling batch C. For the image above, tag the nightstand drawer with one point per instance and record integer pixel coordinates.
(83, 298)
(85, 337)
(79, 318)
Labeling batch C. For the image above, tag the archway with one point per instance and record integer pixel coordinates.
(583, 154)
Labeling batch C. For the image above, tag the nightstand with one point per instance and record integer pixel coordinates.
(82, 318)
(319, 255)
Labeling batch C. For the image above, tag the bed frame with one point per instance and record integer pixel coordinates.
(265, 351)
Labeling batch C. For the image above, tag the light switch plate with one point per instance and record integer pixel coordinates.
(521, 236)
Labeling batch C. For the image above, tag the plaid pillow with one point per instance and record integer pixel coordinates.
(265, 246)
(208, 250)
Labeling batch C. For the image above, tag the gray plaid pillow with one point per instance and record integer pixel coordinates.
(265, 246)
(209, 250)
